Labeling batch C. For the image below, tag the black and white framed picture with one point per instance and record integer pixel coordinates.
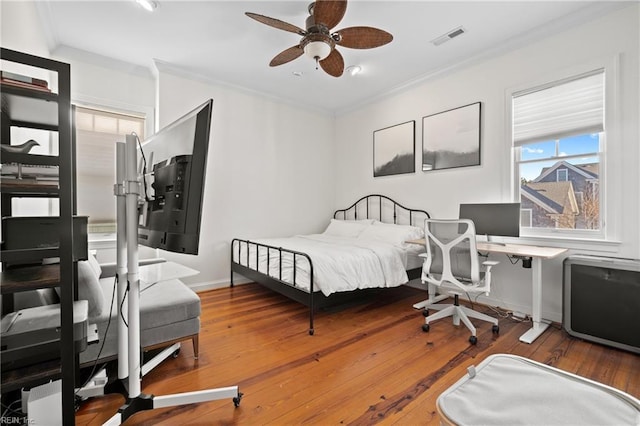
(394, 149)
(451, 138)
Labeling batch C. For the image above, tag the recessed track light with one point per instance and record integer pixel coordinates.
(448, 36)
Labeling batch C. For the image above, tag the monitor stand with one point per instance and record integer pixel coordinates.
(127, 190)
(495, 243)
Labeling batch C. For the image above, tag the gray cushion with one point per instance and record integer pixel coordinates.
(97, 269)
(162, 303)
(89, 289)
(168, 310)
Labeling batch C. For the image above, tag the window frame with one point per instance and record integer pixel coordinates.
(565, 175)
(139, 111)
(610, 180)
(565, 232)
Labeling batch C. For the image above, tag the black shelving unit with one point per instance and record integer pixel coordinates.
(38, 109)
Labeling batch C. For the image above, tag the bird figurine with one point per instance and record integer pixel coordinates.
(23, 148)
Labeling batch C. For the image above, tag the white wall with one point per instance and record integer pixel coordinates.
(276, 169)
(20, 30)
(269, 166)
(440, 192)
(268, 170)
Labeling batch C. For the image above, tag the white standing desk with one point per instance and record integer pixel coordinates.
(537, 254)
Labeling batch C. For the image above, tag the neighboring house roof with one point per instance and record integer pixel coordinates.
(593, 168)
(589, 171)
(551, 196)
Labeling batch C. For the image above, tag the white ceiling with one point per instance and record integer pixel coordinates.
(216, 41)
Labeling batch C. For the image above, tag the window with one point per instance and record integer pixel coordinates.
(525, 217)
(97, 132)
(562, 175)
(29, 206)
(558, 138)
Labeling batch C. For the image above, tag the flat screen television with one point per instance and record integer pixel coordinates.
(173, 163)
(493, 219)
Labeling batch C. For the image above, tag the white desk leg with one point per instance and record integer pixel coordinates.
(539, 326)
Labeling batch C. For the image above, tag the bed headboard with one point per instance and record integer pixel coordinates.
(384, 209)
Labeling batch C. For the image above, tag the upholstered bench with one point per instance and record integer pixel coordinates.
(510, 390)
(169, 311)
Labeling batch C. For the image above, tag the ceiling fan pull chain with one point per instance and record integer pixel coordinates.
(317, 58)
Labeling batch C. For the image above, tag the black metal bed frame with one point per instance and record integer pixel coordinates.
(311, 298)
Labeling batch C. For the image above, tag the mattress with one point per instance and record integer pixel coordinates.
(413, 259)
(339, 263)
(511, 390)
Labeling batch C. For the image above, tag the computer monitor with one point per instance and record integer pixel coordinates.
(493, 219)
(173, 163)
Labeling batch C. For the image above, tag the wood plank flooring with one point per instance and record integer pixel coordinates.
(368, 363)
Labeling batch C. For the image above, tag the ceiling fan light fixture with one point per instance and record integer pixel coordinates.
(318, 50)
(354, 70)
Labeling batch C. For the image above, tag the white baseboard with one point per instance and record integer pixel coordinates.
(213, 285)
(552, 316)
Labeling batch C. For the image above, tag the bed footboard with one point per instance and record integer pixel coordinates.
(241, 263)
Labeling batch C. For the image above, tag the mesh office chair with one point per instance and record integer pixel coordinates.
(452, 261)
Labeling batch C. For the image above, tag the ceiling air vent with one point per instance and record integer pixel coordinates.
(448, 36)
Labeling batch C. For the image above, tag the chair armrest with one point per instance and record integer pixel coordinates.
(488, 264)
(425, 255)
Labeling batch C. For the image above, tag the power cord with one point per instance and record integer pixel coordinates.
(9, 408)
(144, 168)
(513, 259)
(124, 298)
(104, 340)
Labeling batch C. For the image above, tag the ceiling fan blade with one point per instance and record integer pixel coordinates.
(287, 55)
(329, 12)
(276, 23)
(333, 64)
(363, 37)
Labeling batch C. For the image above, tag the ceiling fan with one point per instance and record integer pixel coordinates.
(318, 42)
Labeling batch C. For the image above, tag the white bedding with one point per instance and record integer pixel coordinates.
(339, 263)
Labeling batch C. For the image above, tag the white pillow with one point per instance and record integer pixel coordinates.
(397, 235)
(413, 232)
(97, 269)
(89, 288)
(347, 228)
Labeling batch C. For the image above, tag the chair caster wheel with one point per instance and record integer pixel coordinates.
(473, 340)
(425, 327)
(236, 400)
(425, 312)
(495, 329)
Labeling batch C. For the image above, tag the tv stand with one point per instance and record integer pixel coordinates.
(127, 191)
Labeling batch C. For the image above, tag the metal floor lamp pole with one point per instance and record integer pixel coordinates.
(128, 188)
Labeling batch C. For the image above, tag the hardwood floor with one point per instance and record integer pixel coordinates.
(368, 362)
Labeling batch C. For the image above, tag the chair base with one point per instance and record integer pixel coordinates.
(432, 300)
(460, 313)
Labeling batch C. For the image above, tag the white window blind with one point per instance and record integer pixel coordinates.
(560, 109)
(97, 132)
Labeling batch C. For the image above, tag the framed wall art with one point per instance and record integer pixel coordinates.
(394, 149)
(451, 138)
